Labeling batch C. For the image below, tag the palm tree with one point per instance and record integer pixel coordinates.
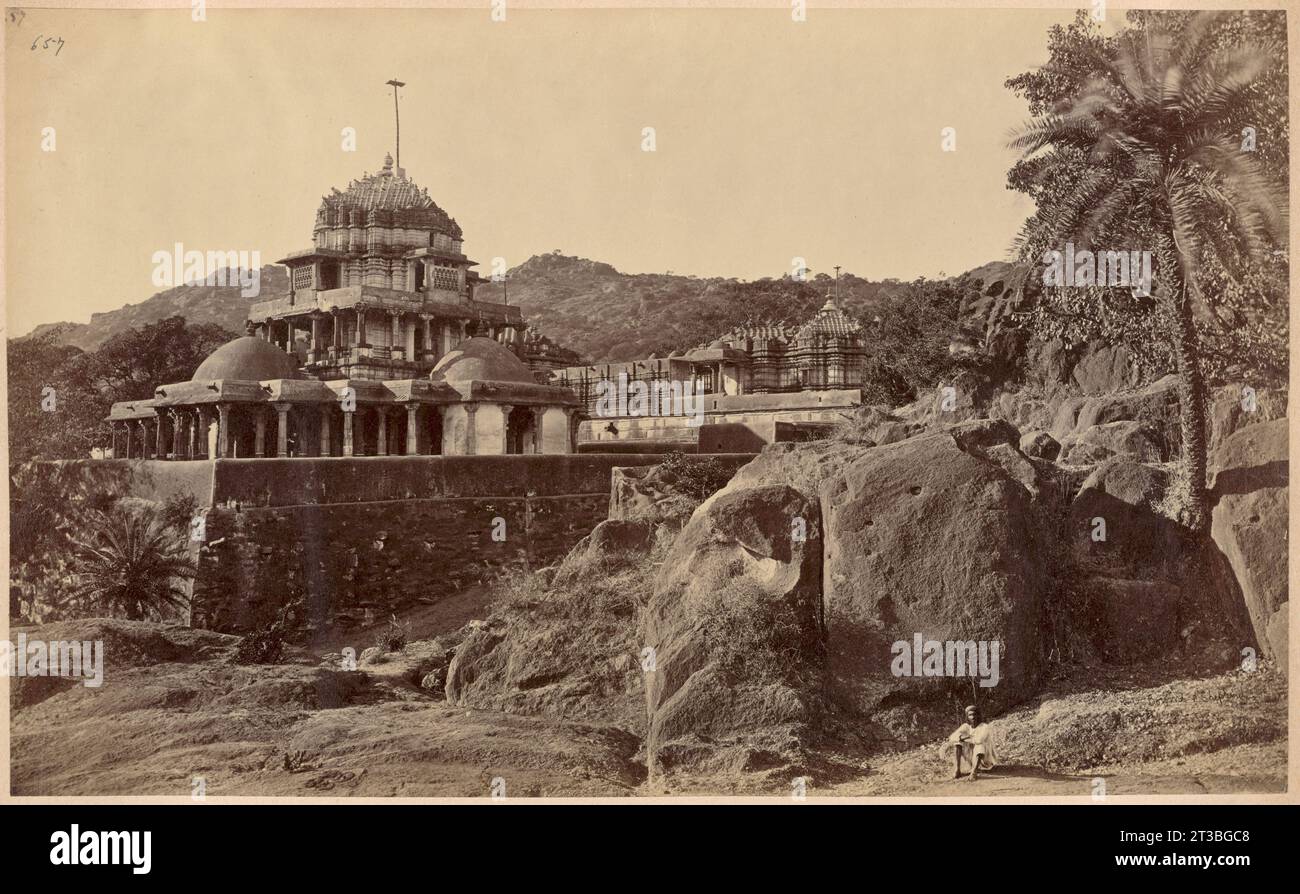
(1166, 170)
(131, 563)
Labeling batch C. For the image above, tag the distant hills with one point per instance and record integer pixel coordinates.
(584, 305)
(222, 305)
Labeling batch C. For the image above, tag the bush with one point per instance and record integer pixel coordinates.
(393, 638)
(697, 476)
(753, 634)
(264, 646)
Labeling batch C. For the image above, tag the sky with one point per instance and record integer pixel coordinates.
(773, 139)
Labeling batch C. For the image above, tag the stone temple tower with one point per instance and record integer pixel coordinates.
(385, 291)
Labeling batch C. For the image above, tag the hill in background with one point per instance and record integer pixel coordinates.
(585, 305)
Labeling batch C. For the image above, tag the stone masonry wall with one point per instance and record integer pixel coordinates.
(352, 540)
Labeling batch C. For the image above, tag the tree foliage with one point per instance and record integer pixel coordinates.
(131, 564)
(1153, 164)
(1241, 315)
(129, 366)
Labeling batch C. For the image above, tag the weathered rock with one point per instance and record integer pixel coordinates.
(1103, 368)
(1130, 439)
(1067, 417)
(983, 433)
(476, 656)
(925, 537)
(1114, 527)
(1229, 411)
(735, 618)
(1039, 444)
(1249, 524)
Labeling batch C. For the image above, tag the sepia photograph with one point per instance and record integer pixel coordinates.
(516, 402)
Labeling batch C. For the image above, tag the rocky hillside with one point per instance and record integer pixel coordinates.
(607, 315)
(585, 305)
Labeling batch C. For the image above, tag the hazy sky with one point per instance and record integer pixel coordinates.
(774, 139)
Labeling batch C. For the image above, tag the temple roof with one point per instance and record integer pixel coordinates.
(830, 321)
(248, 359)
(391, 190)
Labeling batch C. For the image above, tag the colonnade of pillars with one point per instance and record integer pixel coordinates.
(412, 429)
(414, 333)
(245, 430)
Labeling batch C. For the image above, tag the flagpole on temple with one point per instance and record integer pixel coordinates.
(397, 118)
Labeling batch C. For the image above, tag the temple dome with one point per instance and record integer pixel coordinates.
(247, 359)
(483, 360)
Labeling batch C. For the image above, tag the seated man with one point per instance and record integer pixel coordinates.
(972, 746)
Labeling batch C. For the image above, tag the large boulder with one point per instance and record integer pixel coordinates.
(1115, 526)
(932, 536)
(1233, 407)
(735, 630)
(1249, 525)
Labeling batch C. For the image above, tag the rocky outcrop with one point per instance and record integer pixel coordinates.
(1131, 439)
(1249, 525)
(735, 629)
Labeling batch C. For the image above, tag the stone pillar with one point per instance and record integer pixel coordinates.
(397, 330)
(428, 334)
(506, 409)
(337, 334)
(471, 435)
(413, 429)
(282, 432)
(259, 441)
(381, 447)
(571, 417)
(539, 415)
(176, 434)
(361, 327)
(196, 421)
(223, 430)
(205, 420)
(347, 432)
(315, 337)
(325, 431)
(160, 446)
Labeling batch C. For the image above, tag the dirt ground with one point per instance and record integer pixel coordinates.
(174, 709)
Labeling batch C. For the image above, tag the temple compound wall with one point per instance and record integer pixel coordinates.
(730, 423)
(351, 540)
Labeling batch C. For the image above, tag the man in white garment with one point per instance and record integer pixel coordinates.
(972, 746)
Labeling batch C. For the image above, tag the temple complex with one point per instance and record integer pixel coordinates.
(759, 384)
(380, 348)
